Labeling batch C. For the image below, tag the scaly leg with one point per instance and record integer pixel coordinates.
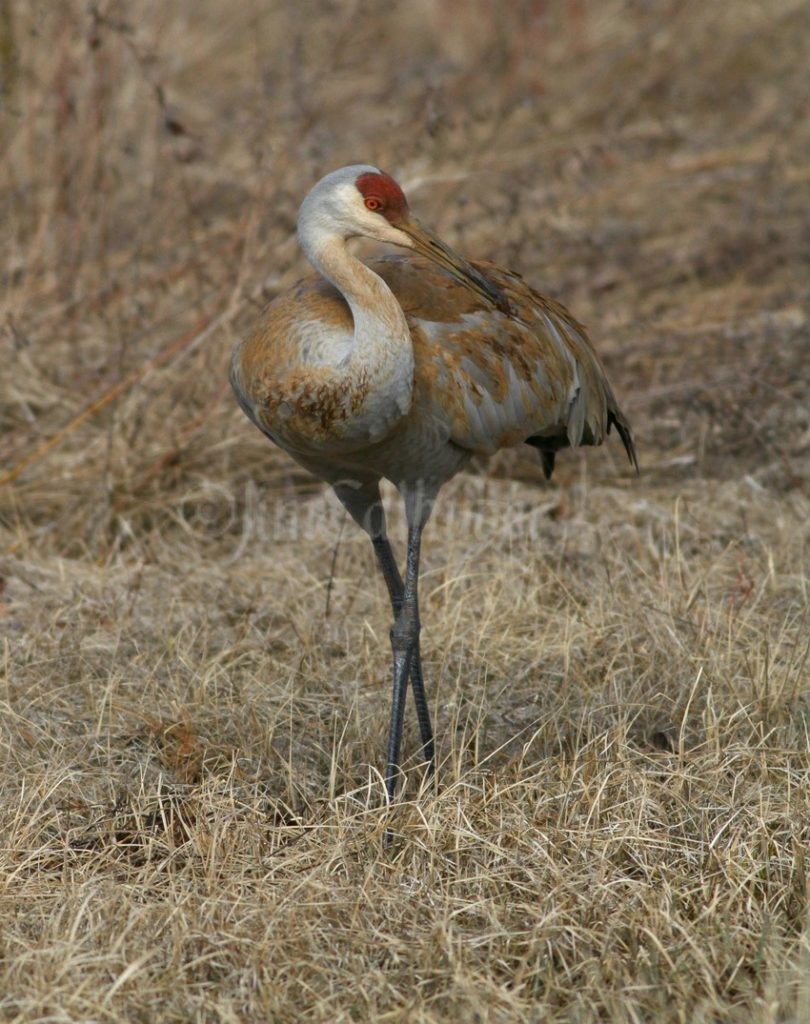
(393, 580)
(361, 498)
(405, 644)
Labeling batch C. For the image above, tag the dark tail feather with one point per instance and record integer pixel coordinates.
(616, 418)
(548, 446)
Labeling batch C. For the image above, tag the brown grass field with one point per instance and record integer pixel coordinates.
(194, 670)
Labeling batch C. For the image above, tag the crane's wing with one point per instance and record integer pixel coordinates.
(496, 379)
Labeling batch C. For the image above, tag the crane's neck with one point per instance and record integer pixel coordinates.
(380, 359)
(374, 308)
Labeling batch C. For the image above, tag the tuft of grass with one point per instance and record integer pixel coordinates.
(194, 662)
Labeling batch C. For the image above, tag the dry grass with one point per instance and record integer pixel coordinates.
(194, 675)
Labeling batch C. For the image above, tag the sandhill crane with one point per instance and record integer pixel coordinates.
(402, 368)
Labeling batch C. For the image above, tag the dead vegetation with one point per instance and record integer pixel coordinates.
(195, 661)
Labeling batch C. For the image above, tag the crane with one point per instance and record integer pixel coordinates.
(403, 368)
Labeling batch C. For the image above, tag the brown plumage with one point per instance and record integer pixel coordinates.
(405, 367)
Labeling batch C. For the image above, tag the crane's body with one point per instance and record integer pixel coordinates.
(405, 367)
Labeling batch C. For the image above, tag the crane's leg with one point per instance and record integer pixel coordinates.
(405, 643)
(393, 580)
(361, 498)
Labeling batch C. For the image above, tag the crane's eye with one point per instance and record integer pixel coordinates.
(372, 203)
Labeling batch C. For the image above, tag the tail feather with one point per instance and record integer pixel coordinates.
(616, 418)
(549, 446)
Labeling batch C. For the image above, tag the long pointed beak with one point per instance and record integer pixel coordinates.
(426, 243)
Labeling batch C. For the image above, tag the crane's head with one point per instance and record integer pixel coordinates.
(363, 200)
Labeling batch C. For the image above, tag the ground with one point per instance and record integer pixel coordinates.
(195, 665)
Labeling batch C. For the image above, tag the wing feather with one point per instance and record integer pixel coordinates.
(495, 379)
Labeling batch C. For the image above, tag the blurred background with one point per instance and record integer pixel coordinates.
(644, 162)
